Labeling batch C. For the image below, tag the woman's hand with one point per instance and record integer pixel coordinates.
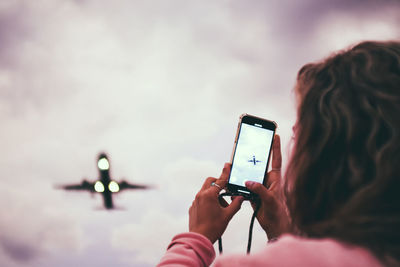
(272, 213)
(209, 217)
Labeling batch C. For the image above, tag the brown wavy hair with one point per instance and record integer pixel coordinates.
(343, 178)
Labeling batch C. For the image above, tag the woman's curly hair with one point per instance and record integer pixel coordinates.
(343, 179)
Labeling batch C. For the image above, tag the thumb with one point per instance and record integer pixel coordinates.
(234, 207)
(258, 189)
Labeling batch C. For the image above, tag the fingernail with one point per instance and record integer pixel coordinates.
(249, 184)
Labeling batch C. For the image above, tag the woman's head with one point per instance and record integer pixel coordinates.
(343, 180)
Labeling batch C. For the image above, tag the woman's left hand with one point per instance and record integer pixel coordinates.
(209, 217)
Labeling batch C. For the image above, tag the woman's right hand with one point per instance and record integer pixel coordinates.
(272, 214)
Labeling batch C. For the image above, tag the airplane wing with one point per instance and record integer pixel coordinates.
(85, 185)
(125, 185)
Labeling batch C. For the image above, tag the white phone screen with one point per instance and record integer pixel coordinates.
(251, 155)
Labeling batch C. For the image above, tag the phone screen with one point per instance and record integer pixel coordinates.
(251, 156)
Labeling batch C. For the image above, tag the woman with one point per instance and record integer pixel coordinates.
(339, 204)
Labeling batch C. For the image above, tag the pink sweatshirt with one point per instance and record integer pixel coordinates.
(191, 249)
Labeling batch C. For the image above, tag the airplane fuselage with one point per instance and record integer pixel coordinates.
(107, 194)
(254, 161)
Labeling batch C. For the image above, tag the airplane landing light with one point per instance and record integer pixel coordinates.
(103, 164)
(99, 187)
(113, 186)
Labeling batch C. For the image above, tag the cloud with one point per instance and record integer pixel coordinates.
(340, 30)
(13, 31)
(31, 79)
(148, 239)
(184, 177)
(34, 229)
(18, 251)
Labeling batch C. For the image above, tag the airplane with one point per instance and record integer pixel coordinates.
(104, 185)
(254, 160)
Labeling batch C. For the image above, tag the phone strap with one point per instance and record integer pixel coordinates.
(250, 227)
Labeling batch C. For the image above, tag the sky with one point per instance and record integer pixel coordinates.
(159, 86)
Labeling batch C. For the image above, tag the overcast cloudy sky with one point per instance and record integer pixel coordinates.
(159, 86)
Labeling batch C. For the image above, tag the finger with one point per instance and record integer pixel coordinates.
(207, 183)
(223, 202)
(276, 153)
(233, 197)
(253, 204)
(273, 185)
(233, 207)
(273, 178)
(259, 190)
(223, 179)
(274, 175)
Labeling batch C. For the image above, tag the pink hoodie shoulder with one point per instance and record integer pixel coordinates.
(188, 249)
(192, 249)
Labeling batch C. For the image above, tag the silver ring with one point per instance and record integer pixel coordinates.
(217, 185)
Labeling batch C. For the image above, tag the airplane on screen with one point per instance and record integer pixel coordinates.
(254, 161)
(104, 185)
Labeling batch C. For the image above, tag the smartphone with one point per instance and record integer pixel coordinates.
(251, 153)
